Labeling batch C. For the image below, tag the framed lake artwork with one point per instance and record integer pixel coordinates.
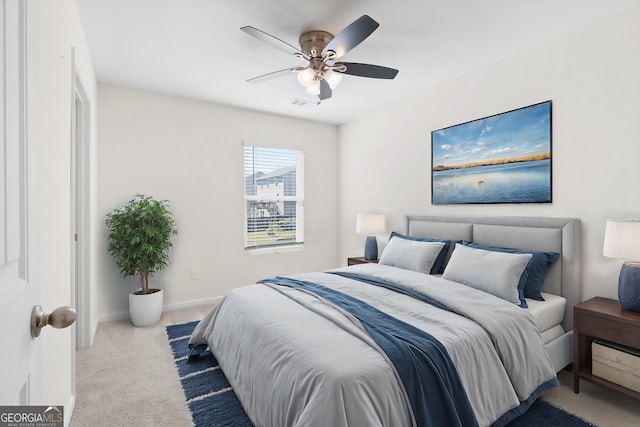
(505, 158)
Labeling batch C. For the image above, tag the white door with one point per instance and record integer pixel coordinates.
(18, 270)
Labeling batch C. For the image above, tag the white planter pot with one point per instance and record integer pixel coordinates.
(145, 310)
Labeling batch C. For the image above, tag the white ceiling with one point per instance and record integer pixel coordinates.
(195, 49)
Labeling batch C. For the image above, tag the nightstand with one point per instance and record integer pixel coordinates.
(360, 260)
(601, 318)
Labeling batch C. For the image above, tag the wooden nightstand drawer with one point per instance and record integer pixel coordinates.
(613, 330)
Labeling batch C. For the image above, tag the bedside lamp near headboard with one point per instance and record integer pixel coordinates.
(370, 224)
(622, 240)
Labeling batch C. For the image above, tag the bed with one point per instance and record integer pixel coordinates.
(387, 344)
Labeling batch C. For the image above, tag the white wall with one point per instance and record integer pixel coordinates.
(191, 153)
(590, 75)
(58, 30)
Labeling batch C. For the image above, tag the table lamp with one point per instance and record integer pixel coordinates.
(622, 240)
(370, 224)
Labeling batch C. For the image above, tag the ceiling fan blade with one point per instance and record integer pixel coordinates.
(273, 41)
(272, 75)
(325, 90)
(351, 36)
(369, 70)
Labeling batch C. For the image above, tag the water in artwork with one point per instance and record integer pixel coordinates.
(523, 182)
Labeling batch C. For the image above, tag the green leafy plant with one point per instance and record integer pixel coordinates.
(140, 237)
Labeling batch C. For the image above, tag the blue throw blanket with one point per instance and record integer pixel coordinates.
(505, 418)
(430, 379)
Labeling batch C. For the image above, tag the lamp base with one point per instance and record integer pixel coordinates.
(629, 286)
(371, 248)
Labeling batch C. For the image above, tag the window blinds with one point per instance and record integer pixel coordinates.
(273, 195)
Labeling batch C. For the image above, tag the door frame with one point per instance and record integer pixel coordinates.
(81, 292)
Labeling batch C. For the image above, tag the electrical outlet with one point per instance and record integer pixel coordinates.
(195, 274)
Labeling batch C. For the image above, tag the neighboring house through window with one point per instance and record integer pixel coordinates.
(274, 197)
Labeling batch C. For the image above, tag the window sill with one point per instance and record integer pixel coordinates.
(275, 249)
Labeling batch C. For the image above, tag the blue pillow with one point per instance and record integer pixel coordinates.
(438, 265)
(538, 267)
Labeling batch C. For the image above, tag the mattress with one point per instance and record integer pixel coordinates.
(548, 313)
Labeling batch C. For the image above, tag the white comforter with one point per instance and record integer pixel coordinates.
(294, 360)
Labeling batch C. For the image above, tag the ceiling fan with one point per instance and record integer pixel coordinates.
(321, 51)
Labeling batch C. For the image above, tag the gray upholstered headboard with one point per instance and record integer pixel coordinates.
(560, 235)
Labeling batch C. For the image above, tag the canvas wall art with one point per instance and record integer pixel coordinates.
(504, 158)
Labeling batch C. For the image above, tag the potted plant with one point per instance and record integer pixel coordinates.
(140, 235)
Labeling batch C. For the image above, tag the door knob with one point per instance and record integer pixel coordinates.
(59, 318)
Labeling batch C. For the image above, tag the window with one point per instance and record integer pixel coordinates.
(274, 197)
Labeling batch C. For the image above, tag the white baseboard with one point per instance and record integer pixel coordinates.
(114, 316)
(94, 330)
(68, 410)
(194, 303)
(169, 307)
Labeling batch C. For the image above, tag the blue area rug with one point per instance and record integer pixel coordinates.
(214, 404)
(209, 396)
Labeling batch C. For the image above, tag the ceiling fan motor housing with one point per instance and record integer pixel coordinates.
(313, 42)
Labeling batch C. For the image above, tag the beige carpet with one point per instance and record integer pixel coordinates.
(128, 379)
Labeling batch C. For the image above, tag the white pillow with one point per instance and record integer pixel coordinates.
(497, 273)
(411, 254)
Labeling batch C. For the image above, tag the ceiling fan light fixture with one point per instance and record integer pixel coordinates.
(333, 78)
(306, 76)
(314, 87)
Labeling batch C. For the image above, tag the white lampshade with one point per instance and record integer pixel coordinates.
(370, 224)
(622, 239)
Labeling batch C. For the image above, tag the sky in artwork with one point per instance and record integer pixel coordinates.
(516, 133)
